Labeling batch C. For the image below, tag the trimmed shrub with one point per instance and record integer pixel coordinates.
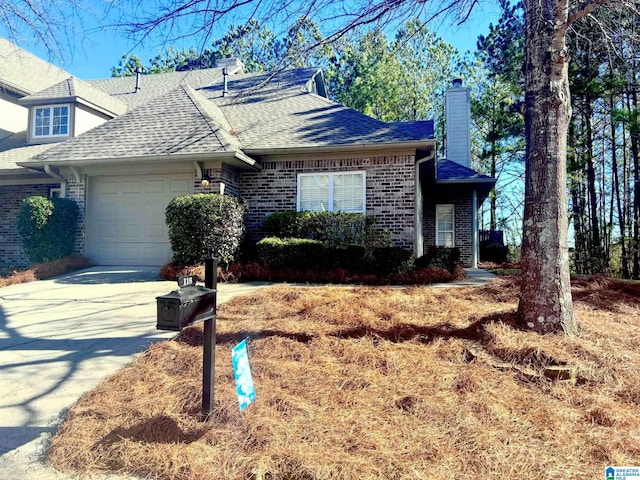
(307, 254)
(392, 260)
(47, 227)
(440, 257)
(205, 221)
(286, 224)
(297, 253)
(333, 228)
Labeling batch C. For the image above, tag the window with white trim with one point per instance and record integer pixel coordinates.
(332, 192)
(51, 121)
(445, 225)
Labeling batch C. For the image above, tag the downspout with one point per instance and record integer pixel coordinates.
(63, 181)
(418, 209)
(475, 243)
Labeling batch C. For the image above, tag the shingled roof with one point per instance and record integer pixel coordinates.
(72, 89)
(14, 148)
(187, 113)
(277, 112)
(174, 123)
(452, 172)
(23, 72)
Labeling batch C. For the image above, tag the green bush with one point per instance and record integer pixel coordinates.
(334, 228)
(392, 260)
(296, 253)
(47, 227)
(440, 257)
(205, 221)
(286, 224)
(310, 254)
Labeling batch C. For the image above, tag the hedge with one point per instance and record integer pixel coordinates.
(308, 254)
(333, 228)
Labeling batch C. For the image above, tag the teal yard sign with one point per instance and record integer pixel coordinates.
(242, 374)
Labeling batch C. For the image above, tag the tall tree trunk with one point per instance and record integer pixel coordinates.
(636, 188)
(616, 193)
(577, 205)
(545, 298)
(493, 221)
(595, 242)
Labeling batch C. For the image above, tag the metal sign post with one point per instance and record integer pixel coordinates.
(209, 345)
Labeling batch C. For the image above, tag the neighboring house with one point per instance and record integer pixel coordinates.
(122, 148)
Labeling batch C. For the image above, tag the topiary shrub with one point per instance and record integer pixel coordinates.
(202, 221)
(440, 257)
(47, 227)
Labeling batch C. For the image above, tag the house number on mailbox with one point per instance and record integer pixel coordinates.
(187, 281)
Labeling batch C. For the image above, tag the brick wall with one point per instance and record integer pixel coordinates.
(11, 253)
(389, 191)
(462, 199)
(224, 175)
(78, 191)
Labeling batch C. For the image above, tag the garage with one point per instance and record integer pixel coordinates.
(125, 218)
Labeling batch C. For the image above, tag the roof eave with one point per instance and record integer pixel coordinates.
(240, 160)
(362, 147)
(467, 180)
(71, 99)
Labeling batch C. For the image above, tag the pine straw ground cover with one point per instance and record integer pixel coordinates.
(40, 271)
(376, 383)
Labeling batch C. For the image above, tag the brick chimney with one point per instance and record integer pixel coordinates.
(458, 124)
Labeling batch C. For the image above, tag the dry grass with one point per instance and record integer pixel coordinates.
(46, 270)
(376, 383)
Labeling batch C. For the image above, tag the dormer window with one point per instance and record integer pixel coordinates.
(51, 121)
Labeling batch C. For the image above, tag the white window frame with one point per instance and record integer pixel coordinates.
(332, 176)
(439, 208)
(55, 192)
(50, 126)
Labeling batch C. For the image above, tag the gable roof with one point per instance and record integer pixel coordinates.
(181, 114)
(154, 85)
(72, 89)
(23, 72)
(175, 124)
(277, 112)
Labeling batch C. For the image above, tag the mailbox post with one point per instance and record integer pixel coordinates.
(209, 345)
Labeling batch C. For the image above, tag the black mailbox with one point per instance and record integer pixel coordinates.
(186, 306)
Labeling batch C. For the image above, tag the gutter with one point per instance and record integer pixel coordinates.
(343, 148)
(176, 157)
(63, 181)
(418, 214)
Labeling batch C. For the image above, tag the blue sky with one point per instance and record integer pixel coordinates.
(92, 50)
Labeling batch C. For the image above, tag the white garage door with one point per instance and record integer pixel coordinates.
(126, 221)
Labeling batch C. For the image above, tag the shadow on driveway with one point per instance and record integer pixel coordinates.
(59, 338)
(110, 275)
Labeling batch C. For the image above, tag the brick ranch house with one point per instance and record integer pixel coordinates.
(122, 148)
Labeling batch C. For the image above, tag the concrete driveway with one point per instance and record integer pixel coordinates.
(59, 338)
